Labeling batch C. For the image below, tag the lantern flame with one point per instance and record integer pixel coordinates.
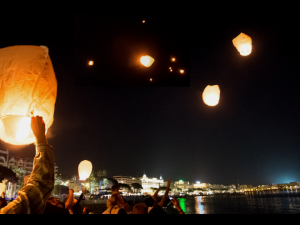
(211, 95)
(243, 44)
(24, 129)
(84, 169)
(147, 60)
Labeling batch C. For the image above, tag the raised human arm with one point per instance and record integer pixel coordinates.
(156, 193)
(32, 198)
(70, 200)
(162, 201)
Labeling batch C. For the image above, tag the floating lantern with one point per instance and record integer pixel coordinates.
(147, 60)
(150, 79)
(211, 95)
(243, 44)
(144, 21)
(91, 63)
(173, 59)
(28, 88)
(84, 169)
(182, 71)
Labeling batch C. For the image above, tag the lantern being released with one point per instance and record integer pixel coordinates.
(28, 88)
(243, 44)
(211, 95)
(147, 61)
(84, 169)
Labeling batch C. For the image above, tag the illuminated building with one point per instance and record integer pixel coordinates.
(183, 185)
(148, 183)
(128, 180)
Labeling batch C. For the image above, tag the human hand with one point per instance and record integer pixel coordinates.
(38, 129)
(3, 194)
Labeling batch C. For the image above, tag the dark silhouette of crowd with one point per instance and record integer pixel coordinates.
(34, 196)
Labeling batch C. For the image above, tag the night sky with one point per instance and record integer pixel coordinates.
(126, 126)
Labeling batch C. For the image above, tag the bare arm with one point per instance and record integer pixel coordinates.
(162, 201)
(156, 193)
(176, 204)
(69, 202)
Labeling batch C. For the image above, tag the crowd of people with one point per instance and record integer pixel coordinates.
(34, 197)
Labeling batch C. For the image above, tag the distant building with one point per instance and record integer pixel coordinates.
(183, 185)
(147, 183)
(128, 179)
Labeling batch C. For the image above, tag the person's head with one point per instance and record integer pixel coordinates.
(86, 210)
(61, 205)
(115, 188)
(140, 208)
(157, 210)
(149, 202)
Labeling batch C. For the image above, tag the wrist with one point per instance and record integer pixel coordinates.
(42, 139)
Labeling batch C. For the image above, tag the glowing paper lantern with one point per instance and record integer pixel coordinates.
(84, 169)
(28, 88)
(150, 79)
(147, 60)
(91, 63)
(144, 21)
(173, 59)
(182, 71)
(211, 95)
(243, 44)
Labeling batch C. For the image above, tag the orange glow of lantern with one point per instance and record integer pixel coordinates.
(84, 169)
(173, 59)
(91, 63)
(28, 88)
(211, 95)
(144, 21)
(150, 79)
(182, 71)
(243, 44)
(147, 60)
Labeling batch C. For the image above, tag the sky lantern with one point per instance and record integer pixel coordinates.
(147, 60)
(144, 21)
(91, 63)
(211, 95)
(150, 79)
(182, 71)
(28, 88)
(84, 169)
(173, 59)
(243, 44)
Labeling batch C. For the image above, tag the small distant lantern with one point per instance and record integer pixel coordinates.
(211, 95)
(91, 63)
(84, 169)
(28, 88)
(173, 59)
(144, 21)
(150, 79)
(182, 71)
(243, 44)
(170, 68)
(147, 60)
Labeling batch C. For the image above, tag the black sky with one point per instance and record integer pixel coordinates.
(251, 135)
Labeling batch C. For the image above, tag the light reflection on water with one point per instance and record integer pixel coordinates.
(275, 202)
(199, 207)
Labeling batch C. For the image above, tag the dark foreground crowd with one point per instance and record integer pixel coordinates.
(34, 197)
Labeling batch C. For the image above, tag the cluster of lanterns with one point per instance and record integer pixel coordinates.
(29, 88)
